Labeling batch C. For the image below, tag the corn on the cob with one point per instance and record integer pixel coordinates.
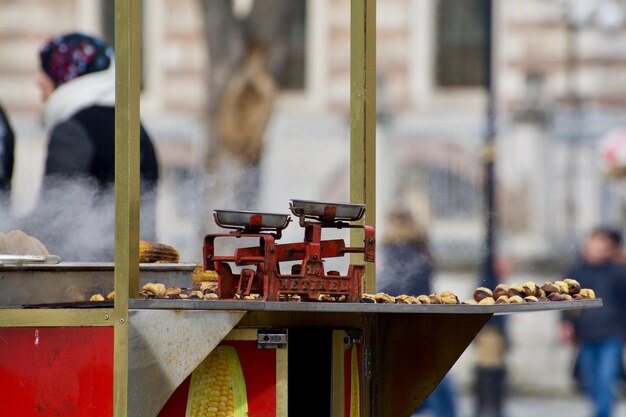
(151, 252)
(218, 387)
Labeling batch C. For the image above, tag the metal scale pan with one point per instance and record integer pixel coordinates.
(327, 212)
(250, 220)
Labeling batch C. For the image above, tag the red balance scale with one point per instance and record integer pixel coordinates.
(261, 274)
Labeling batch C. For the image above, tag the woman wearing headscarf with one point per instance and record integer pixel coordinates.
(77, 82)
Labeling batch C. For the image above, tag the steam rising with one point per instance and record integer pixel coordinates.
(75, 219)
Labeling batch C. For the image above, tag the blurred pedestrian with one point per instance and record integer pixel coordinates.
(77, 82)
(598, 332)
(619, 257)
(407, 267)
(405, 260)
(617, 241)
(7, 146)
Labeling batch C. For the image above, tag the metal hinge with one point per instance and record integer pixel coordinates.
(272, 339)
(367, 362)
(351, 338)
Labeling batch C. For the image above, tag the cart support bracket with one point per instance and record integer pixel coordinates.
(165, 346)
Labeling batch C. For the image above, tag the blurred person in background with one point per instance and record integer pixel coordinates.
(406, 262)
(406, 267)
(598, 332)
(7, 146)
(619, 256)
(77, 83)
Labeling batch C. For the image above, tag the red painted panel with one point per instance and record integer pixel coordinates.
(347, 368)
(176, 405)
(259, 370)
(56, 371)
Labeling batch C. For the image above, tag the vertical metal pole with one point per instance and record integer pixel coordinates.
(575, 133)
(489, 278)
(490, 377)
(363, 120)
(127, 45)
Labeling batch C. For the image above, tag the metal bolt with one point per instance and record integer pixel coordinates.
(106, 316)
(121, 321)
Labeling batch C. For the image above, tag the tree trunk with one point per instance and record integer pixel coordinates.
(229, 39)
(246, 55)
(269, 24)
(226, 45)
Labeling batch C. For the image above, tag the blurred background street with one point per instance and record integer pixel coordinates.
(532, 406)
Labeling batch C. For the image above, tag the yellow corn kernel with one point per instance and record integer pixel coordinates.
(218, 388)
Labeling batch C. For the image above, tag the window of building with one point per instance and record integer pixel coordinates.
(108, 20)
(452, 195)
(108, 28)
(460, 43)
(293, 75)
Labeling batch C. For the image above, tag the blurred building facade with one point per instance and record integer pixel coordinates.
(560, 81)
(560, 88)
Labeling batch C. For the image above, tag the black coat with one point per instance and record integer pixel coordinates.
(75, 215)
(608, 280)
(84, 145)
(7, 147)
(405, 270)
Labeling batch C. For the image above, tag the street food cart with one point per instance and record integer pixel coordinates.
(154, 357)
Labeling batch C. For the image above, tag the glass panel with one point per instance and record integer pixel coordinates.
(293, 74)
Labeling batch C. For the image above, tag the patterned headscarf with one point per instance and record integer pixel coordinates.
(69, 56)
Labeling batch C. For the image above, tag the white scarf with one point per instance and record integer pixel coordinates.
(97, 88)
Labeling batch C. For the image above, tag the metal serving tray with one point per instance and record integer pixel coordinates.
(17, 260)
(251, 220)
(327, 211)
